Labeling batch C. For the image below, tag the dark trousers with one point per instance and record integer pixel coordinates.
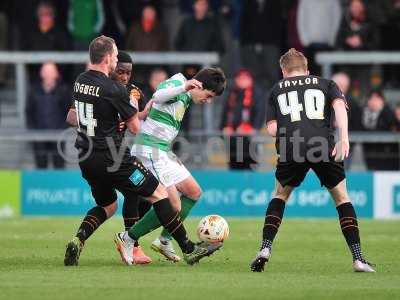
(382, 156)
(46, 151)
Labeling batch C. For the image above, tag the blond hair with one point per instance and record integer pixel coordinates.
(293, 60)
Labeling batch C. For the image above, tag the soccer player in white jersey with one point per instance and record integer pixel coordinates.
(153, 147)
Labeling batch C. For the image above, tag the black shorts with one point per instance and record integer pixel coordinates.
(293, 173)
(131, 178)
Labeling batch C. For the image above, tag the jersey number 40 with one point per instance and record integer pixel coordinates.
(84, 114)
(314, 103)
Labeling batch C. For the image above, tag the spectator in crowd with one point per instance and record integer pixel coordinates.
(261, 38)
(318, 24)
(85, 21)
(356, 31)
(378, 116)
(397, 113)
(46, 35)
(47, 105)
(342, 79)
(148, 34)
(354, 110)
(131, 14)
(157, 76)
(243, 114)
(200, 32)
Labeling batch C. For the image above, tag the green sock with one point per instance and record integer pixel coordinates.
(146, 224)
(150, 222)
(187, 205)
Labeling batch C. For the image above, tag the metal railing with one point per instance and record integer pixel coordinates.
(328, 59)
(21, 58)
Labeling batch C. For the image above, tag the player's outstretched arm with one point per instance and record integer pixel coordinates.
(342, 147)
(71, 119)
(165, 94)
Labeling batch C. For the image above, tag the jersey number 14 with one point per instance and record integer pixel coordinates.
(84, 114)
(314, 103)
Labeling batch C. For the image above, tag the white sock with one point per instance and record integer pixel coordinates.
(127, 238)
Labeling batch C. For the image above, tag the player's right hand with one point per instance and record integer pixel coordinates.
(341, 150)
(192, 84)
(121, 126)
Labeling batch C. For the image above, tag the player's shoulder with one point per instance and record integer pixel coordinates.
(324, 81)
(175, 80)
(116, 89)
(134, 90)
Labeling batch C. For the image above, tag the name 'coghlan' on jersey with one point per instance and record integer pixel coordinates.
(100, 102)
(302, 108)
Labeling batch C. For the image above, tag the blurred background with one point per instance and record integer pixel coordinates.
(358, 39)
(43, 46)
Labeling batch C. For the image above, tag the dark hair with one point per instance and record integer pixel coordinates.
(213, 79)
(100, 47)
(46, 4)
(124, 57)
(377, 92)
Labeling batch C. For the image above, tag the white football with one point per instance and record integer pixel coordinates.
(213, 229)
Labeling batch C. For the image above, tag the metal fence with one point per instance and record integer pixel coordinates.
(21, 59)
(328, 59)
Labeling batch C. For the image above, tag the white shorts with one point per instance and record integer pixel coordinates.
(165, 166)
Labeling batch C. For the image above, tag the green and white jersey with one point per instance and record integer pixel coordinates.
(165, 117)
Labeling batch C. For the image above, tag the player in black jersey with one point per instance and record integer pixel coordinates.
(107, 166)
(301, 111)
(132, 209)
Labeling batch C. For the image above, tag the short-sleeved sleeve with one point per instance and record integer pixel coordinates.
(334, 93)
(122, 104)
(270, 108)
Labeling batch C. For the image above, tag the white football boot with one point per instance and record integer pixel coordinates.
(261, 259)
(166, 248)
(125, 247)
(362, 266)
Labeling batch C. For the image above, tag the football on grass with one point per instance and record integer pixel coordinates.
(213, 229)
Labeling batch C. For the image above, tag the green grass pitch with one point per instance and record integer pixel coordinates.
(309, 261)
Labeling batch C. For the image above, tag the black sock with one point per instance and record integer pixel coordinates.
(349, 226)
(144, 207)
(130, 212)
(273, 219)
(170, 220)
(93, 219)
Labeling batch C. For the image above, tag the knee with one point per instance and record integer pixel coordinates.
(159, 194)
(282, 194)
(195, 193)
(176, 205)
(111, 209)
(341, 199)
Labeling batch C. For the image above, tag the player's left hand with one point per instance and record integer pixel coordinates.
(144, 113)
(341, 150)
